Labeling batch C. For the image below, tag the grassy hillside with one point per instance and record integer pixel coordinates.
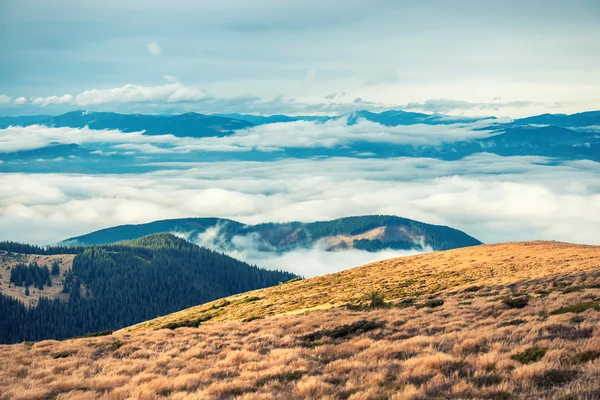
(10, 260)
(398, 279)
(511, 321)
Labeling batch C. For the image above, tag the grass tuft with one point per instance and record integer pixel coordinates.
(531, 355)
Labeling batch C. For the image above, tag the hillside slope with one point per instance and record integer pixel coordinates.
(400, 278)
(509, 321)
(368, 232)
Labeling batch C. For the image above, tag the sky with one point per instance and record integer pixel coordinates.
(510, 58)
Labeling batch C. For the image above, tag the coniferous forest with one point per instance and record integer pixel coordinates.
(113, 286)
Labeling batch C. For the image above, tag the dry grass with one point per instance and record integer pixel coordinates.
(399, 278)
(472, 346)
(468, 343)
(8, 261)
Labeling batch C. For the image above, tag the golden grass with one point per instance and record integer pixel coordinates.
(482, 323)
(8, 261)
(395, 279)
(462, 349)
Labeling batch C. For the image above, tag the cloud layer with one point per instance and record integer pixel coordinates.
(490, 197)
(271, 137)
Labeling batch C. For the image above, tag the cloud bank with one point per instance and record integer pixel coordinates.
(490, 197)
(271, 137)
(307, 262)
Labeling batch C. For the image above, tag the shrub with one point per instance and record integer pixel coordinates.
(531, 355)
(577, 319)
(95, 334)
(553, 377)
(566, 332)
(339, 332)
(516, 301)
(432, 303)
(583, 357)
(577, 308)
(192, 323)
(377, 300)
(282, 377)
(64, 354)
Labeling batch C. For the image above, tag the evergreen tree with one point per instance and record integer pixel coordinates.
(29, 278)
(55, 268)
(26, 290)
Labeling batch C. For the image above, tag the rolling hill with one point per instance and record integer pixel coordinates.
(507, 321)
(369, 232)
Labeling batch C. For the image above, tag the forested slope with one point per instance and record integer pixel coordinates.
(117, 285)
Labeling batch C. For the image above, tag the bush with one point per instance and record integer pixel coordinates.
(377, 300)
(553, 377)
(583, 357)
(432, 303)
(192, 323)
(339, 332)
(531, 355)
(577, 308)
(577, 319)
(516, 301)
(63, 354)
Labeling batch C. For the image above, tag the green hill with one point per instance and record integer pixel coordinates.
(368, 232)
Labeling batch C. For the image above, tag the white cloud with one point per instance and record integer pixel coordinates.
(170, 79)
(490, 197)
(154, 48)
(264, 138)
(169, 93)
(17, 138)
(337, 132)
(5, 99)
(20, 100)
(307, 262)
(45, 101)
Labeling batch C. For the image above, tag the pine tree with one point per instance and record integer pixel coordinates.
(29, 277)
(55, 268)
(26, 290)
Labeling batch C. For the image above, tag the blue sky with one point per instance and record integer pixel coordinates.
(459, 57)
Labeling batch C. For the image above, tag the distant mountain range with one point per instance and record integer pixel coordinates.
(184, 125)
(370, 233)
(557, 136)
